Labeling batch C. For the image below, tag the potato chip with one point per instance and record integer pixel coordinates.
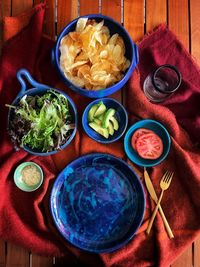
(81, 23)
(103, 54)
(113, 39)
(83, 71)
(91, 58)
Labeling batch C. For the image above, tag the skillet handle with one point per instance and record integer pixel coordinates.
(136, 54)
(53, 61)
(23, 73)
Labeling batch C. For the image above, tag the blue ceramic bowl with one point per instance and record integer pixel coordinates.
(120, 114)
(114, 27)
(160, 130)
(41, 89)
(97, 203)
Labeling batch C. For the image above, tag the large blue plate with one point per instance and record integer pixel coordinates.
(97, 203)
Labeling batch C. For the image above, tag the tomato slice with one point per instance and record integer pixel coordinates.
(137, 134)
(149, 146)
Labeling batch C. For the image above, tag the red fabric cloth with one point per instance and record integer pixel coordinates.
(25, 217)
(162, 47)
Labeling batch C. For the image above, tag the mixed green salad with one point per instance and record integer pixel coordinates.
(43, 123)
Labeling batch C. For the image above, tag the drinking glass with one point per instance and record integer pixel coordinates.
(162, 83)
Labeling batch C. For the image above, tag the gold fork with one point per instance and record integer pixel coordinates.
(164, 185)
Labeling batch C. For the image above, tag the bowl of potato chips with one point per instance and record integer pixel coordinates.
(94, 55)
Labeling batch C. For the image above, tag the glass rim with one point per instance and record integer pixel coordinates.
(169, 67)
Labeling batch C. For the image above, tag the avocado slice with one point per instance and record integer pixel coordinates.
(99, 129)
(101, 117)
(115, 123)
(110, 128)
(91, 112)
(100, 110)
(97, 121)
(109, 113)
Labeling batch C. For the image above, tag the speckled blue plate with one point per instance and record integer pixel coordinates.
(97, 203)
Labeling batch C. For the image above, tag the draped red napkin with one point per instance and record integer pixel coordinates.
(25, 217)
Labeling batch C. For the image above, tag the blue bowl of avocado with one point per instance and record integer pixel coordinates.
(105, 120)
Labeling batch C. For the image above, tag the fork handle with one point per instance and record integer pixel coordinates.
(169, 231)
(154, 213)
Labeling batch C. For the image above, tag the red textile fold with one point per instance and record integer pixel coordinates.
(163, 47)
(25, 217)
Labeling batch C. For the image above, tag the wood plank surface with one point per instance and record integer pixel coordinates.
(112, 9)
(19, 6)
(158, 7)
(134, 21)
(195, 29)
(196, 248)
(49, 19)
(39, 261)
(67, 11)
(2, 253)
(178, 20)
(17, 256)
(5, 10)
(89, 7)
(185, 260)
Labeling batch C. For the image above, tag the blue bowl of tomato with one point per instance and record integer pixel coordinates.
(147, 143)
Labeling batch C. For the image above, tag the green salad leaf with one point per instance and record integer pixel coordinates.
(42, 122)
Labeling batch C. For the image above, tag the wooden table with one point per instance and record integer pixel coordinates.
(138, 17)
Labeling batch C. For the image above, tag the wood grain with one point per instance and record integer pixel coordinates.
(89, 7)
(39, 261)
(197, 253)
(2, 254)
(19, 6)
(185, 260)
(178, 20)
(134, 23)
(112, 8)
(158, 7)
(16, 256)
(67, 11)
(134, 18)
(195, 29)
(5, 10)
(49, 19)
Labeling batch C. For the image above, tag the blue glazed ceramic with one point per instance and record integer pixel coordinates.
(160, 130)
(97, 203)
(120, 114)
(114, 27)
(40, 89)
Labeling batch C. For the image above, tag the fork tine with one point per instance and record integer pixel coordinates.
(168, 181)
(165, 176)
(171, 176)
(168, 177)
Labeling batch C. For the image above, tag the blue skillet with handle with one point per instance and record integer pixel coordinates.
(40, 89)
